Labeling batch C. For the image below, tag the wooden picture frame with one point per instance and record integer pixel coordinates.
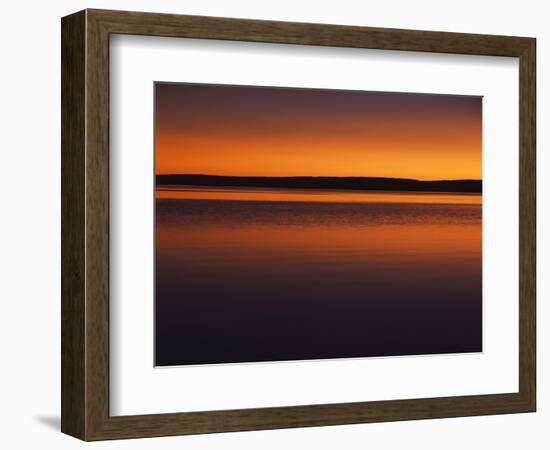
(85, 224)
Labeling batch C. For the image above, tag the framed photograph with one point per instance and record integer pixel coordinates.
(271, 224)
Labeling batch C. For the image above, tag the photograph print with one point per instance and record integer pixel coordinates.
(305, 224)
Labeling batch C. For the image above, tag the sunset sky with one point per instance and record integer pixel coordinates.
(260, 131)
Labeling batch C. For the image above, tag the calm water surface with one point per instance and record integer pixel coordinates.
(248, 275)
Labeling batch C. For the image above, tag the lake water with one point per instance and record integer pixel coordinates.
(247, 275)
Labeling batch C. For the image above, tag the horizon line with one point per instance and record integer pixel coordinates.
(316, 176)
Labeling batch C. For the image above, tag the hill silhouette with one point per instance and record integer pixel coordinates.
(339, 183)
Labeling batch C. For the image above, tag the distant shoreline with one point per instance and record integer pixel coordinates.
(339, 183)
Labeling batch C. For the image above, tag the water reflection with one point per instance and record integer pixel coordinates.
(313, 195)
(316, 275)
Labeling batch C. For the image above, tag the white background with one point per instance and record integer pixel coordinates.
(30, 226)
(136, 387)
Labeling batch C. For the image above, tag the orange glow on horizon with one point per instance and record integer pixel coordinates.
(424, 137)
